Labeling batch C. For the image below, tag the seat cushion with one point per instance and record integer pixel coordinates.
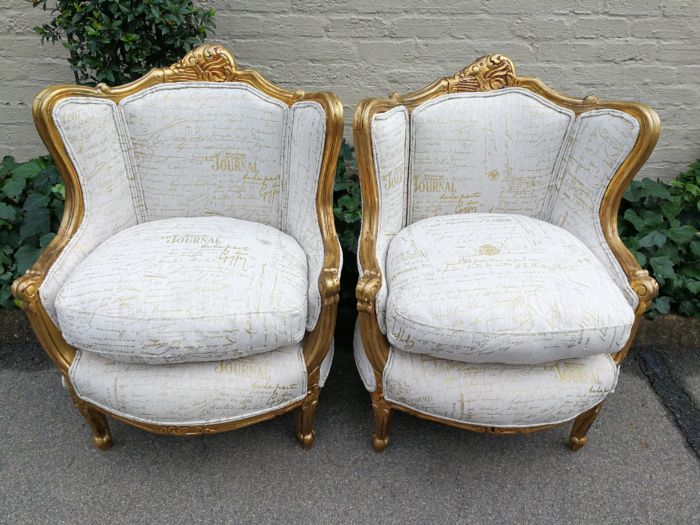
(491, 394)
(187, 394)
(187, 289)
(497, 288)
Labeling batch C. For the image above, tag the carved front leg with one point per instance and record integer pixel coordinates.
(307, 412)
(101, 436)
(382, 419)
(582, 423)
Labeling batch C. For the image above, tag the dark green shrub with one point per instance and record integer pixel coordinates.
(31, 207)
(116, 41)
(659, 223)
(347, 208)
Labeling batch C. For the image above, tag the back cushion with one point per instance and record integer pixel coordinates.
(496, 151)
(207, 149)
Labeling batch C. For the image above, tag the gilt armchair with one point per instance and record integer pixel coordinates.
(495, 294)
(193, 284)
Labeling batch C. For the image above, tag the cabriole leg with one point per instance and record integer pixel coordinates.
(582, 423)
(101, 436)
(307, 417)
(382, 420)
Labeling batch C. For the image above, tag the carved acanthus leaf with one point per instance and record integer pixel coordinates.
(367, 289)
(485, 74)
(205, 63)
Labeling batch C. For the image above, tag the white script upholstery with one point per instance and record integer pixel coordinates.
(497, 151)
(90, 129)
(192, 393)
(508, 151)
(500, 288)
(492, 394)
(193, 149)
(187, 289)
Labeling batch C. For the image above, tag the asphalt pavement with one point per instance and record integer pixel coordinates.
(638, 467)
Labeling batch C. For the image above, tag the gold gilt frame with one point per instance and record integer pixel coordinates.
(209, 63)
(488, 73)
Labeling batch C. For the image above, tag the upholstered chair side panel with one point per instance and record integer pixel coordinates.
(601, 141)
(390, 140)
(202, 393)
(306, 135)
(499, 395)
(364, 367)
(495, 151)
(90, 130)
(204, 148)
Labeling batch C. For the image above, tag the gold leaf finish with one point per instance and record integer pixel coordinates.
(484, 74)
(206, 63)
(490, 72)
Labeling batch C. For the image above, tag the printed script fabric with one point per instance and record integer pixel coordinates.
(193, 149)
(90, 129)
(497, 151)
(492, 394)
(192, 393)
(499, 288)
(187, 289)
(390, 145)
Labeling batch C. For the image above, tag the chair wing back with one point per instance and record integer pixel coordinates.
(198, 138)
(485, 140)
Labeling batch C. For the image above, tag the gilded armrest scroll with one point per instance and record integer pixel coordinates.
(646, 288)
(26, 287)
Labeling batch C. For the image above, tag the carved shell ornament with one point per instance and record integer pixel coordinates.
(484, 74)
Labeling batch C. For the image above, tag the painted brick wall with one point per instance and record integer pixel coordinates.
(617, 49)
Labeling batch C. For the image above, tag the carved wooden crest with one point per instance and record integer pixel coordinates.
(208, 63)
(484, 74)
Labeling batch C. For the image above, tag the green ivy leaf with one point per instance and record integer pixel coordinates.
(655, 238)
(26, 256)
(13, 188)
(663, 304)
(654, 188)
(635, 220)
(681, 234)
(7, 212)
(36, 216)
(45, 239)
(663, 268)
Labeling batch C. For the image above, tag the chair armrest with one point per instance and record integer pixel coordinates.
(381, 131)
(608, 147)
(85, 135)
(315, 132)
(385, 186)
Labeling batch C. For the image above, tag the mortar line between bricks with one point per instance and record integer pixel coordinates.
(673, 396)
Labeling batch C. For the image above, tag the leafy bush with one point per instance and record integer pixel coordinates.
(347, 201)
(31, 207)
(347, 208)
(116, 41)
(659, 223)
